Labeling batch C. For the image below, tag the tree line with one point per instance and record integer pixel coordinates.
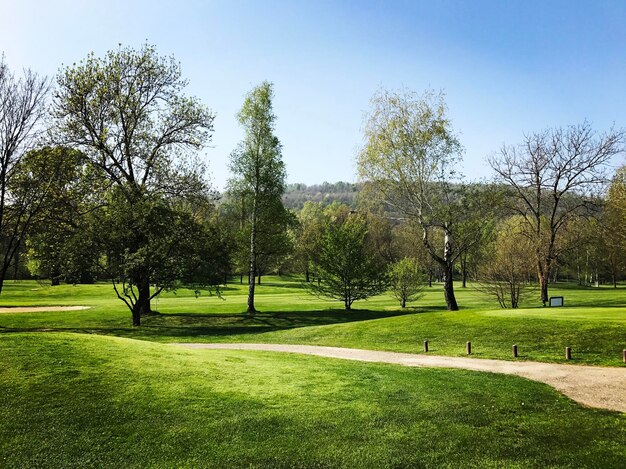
(100, 178)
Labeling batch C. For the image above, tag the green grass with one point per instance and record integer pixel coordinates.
(593, 322)
(69, 400)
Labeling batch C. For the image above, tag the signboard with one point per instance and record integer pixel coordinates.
(556, 301)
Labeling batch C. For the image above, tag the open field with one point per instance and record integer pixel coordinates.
(74, 395)
(593, 322)
(79, 400)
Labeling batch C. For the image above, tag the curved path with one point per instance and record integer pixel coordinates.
(593, 386)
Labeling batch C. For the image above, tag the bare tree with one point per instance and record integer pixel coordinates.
(22, 108)
(553, 177)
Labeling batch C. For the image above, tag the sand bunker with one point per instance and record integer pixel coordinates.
(39, 309)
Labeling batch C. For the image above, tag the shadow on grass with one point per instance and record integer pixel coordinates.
(195, 325)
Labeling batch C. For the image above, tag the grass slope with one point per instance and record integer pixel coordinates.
(593, 322)
(69, 400)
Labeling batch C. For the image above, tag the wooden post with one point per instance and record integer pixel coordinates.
(568, 353)
(515, 351)
(468, 348)
(624, 352)
(426, 346)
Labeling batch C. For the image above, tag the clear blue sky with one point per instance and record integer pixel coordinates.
(507, 67)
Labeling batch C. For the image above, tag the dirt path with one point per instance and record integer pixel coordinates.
(38, 309)
(593, 386)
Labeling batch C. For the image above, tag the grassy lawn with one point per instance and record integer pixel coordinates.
(593, 322)
(70, 400)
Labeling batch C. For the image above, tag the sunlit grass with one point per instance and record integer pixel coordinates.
(69, 400)
(592, 322)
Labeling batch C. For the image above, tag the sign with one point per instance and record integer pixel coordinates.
(556, 301)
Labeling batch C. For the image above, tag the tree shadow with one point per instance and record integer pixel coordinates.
(165, 326)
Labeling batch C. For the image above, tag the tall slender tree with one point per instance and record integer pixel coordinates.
(259, 171)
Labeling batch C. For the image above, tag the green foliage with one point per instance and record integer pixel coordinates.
(508, 273)
(409, 161)
(406, 281)
(59, 244)
(347, 268)
(127, 114)
(258, 184)
(168, 244)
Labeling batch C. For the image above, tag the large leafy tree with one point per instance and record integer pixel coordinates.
(346, 262)
(127, 113)
(22, 108)
(259, 174)
(409, 159)
(553, 177)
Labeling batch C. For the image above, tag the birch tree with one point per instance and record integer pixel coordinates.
(259, 172)
(410, 157)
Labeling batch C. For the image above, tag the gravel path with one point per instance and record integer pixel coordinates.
(593, 386)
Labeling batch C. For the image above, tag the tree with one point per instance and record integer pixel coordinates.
(506, 273)
(553, 177)
(56, 242)
(22, 108)
(310, 225)
(406, 281)
(348, 269)
(259, 172)
(409, 159)
(127, 114)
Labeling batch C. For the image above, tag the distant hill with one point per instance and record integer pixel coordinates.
(297, 194)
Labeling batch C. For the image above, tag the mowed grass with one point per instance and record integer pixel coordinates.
(593, 321)
(70, 400)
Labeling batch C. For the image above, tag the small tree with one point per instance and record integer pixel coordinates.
(347, 268)
(506, 274)
(406, 280)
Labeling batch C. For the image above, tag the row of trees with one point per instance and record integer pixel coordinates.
(104, 181)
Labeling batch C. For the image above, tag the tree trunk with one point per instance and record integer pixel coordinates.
(448, 271)
(259, 279)
(252, 269)
(136, 315)
(306, 275)
(448, 287)
(464, 271)
(403, 304)
(240, 279)
(143, 299)
(543, 286)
